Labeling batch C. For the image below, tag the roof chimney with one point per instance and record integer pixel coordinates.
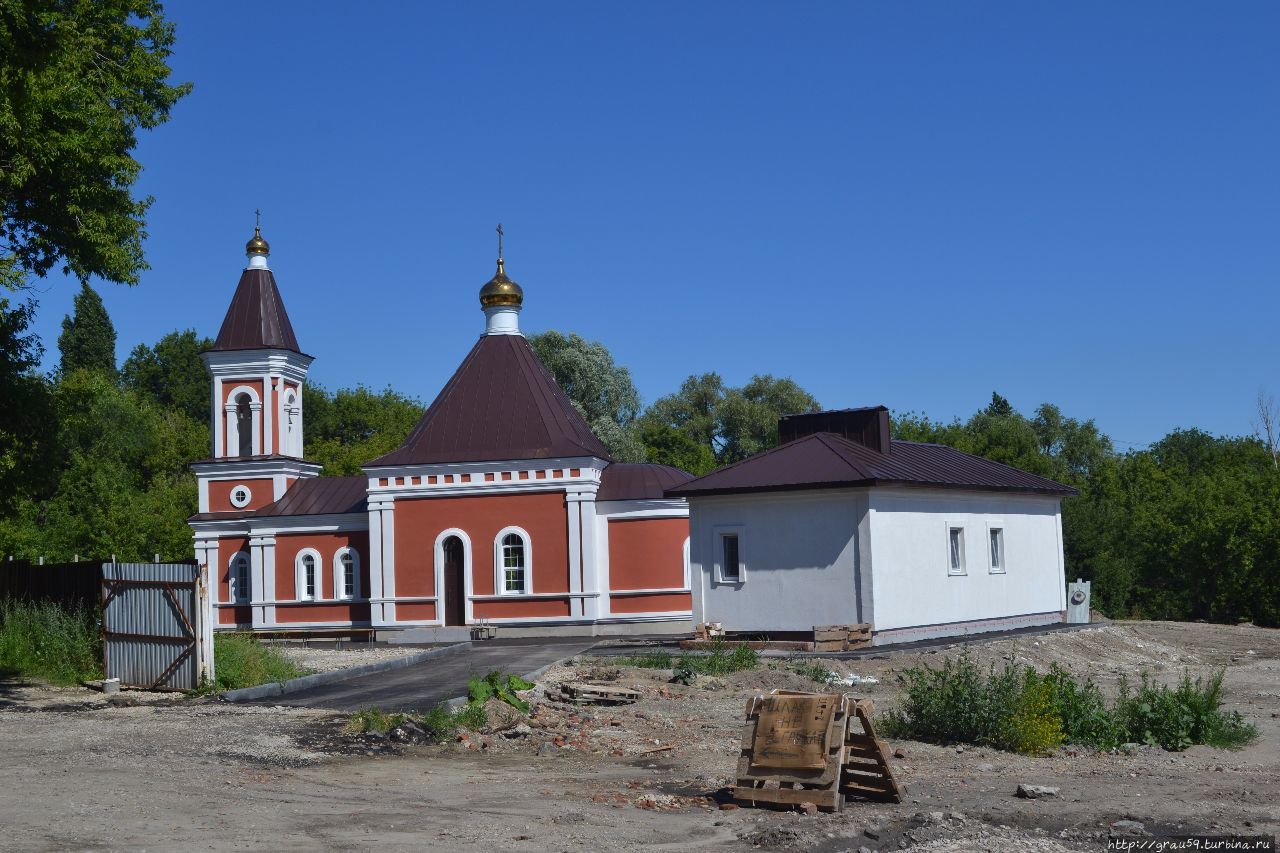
(868, 426)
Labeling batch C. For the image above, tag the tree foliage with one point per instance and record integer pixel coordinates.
(26, 410)
(88, 339)
(78, 80)
(171, 373)
(346, 429)
(600, 389)
(730, 424)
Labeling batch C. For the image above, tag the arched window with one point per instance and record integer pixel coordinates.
(346, 573)
(513, 559)
(238, 576)
(292, 425)
(308, 571)
(244, 425)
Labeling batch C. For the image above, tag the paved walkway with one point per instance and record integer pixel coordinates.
(422, 686)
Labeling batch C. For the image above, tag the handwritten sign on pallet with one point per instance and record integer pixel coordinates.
(811, 748)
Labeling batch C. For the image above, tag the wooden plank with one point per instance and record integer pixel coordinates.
(827, 800)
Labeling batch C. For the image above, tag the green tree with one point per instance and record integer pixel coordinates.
(731, 423)
(88, 339)
(599, 388)
(346, 429)
(171, 373)
(27, 412)
(78, 79)
(667, 445)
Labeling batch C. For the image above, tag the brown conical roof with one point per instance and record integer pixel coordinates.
(256, 318)
(502, 403)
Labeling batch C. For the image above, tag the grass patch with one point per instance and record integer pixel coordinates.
(649, 660)
(50, 642)
(240, 660)
(1021, 710)
(813, 670)
(723, 658)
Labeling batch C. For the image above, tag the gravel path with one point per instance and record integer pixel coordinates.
(311, 660)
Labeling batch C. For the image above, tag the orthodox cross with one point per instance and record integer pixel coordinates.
(499, 241)
(257, 218)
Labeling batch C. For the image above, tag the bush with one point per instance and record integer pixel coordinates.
(240, 660)
(498, 685)
(1025, 711)
(43, 640)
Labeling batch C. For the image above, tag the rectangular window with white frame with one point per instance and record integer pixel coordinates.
(729, 557)
(955, 551)
(995, 548)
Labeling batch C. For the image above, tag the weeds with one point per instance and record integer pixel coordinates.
(813, 670)
(240, 660)
(723, 658)
(649, 660)
(499, 685)
(1025, 711)
(47, 641)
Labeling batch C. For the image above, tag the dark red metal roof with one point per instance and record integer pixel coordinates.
(256, 318)
(321, 496)
(825, 460)
(501, 403)
(629, 481)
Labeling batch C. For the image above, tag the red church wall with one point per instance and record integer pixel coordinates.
(235, 615)
(322, 612)
(542, 515)
(660, 603)
(647, 554)
(263, 493)
(418, 611)
(529, 608)
(227, 548)
(288, 546)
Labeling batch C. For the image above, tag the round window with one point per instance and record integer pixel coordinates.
(240, 496)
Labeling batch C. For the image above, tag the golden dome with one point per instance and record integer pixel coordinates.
(501, 290)
(257, 246)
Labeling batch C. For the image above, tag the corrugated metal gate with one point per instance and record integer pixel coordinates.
(154, 630)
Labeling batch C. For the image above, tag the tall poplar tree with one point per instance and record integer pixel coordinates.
(88, 339)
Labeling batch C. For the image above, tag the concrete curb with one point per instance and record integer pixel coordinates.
(280, 688)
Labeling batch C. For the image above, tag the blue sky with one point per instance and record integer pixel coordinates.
(902, 203)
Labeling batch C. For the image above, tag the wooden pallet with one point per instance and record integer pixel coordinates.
(759, 784)
(840, 638)
(581, 693)
(866, 772)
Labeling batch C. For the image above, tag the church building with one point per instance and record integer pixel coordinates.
(500, 508)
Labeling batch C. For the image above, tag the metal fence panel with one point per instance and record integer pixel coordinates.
(152, 619)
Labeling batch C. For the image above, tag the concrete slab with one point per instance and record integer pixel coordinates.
(422, 686)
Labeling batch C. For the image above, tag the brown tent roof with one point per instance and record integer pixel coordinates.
(824, 460)
(629, 481)
(502, 403)
(256, 318)
(321, 496)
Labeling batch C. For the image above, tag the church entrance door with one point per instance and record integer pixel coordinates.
(455, 611)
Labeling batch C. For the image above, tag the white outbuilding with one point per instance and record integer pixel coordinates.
(841, 524)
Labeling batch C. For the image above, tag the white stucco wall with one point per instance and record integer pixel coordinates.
(799, 552)
(909, 557)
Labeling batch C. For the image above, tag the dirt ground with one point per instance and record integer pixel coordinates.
(156, 773)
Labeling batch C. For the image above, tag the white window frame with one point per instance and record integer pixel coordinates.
(240, 592)
(499, 573)
(299, 579)
(340, 591)
(688, 577)
(718, 534)
(963, 569)
(997, 526)
(441, 599)
(231, 496)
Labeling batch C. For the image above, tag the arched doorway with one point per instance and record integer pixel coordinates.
(455, 610)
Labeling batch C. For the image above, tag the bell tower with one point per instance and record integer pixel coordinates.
(258, 373)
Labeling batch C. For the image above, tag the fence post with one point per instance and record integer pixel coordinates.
(41, 563)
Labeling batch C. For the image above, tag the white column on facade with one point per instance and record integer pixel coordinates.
(233, 435)
(592, 579)
(572, 500)
(258, 584)
(202, 500)
(375, 565)
(269, 574)
(389, 559)
(218, 446)
(207, 554)
(269, 416)
(256, 410)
